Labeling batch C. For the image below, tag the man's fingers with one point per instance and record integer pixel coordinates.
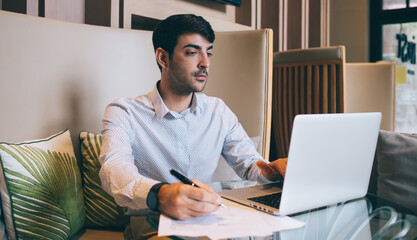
(193, 213)
(263, 166)
(199, 201)
(201, 208)
(282, 165)
(266, 170)
(183, 201)
(273, 170)
(204, 186)
(204, 193)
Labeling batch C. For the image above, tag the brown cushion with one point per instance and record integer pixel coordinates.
(397, 168)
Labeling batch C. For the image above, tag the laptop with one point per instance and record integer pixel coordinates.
(330, 160)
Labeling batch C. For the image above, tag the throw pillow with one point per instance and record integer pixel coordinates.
(3, 235)
(397, 167)
(100, 207)
(40, 185)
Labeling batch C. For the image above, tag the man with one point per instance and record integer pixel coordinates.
(176, 127)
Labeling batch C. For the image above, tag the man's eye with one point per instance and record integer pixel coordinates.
(209, 54)
(191, 53)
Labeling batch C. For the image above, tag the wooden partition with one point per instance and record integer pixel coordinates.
(305, 81)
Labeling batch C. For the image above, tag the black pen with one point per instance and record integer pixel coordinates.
(182, 178)
(185, 180)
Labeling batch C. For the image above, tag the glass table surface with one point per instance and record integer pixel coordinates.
(369, 217)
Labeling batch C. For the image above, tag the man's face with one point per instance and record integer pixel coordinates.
(189, 64)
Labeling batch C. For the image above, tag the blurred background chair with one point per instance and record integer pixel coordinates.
(371, 87)
(305, 81)
(318, 80)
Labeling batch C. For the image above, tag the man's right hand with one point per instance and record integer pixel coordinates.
(182, 201)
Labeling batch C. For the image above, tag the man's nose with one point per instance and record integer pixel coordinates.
(204, 61)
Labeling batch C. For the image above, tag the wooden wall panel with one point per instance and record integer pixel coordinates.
(314, 30)
(97, 12)
(18, 6)
(243, 14)
(294, 24)
(270, 19)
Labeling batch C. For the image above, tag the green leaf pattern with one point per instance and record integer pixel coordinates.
(45, 192)
(100, 207)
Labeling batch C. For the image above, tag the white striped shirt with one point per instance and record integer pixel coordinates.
(143, 140)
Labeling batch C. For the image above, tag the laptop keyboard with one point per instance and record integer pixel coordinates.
(269, 200)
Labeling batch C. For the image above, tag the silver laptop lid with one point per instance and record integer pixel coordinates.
(330, 159)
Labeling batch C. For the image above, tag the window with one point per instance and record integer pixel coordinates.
(393, 38)
(393, 4)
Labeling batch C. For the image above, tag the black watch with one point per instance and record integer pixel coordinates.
(152, 198)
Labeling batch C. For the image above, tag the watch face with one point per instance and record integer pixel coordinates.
(152, 200)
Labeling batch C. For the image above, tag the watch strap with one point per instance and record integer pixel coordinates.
(154, 191)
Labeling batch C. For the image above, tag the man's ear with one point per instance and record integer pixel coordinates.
(162, 57)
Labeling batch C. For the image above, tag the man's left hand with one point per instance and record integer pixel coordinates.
(273, 170)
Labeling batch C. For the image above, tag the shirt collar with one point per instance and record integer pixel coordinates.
(161, 109)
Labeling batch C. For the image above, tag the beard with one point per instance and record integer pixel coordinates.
(182, 83)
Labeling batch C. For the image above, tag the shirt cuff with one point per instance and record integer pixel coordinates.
(141, 190)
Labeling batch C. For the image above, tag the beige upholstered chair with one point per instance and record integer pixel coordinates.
(245, 85)
(370, 87)
(305, 81)
(241, 75)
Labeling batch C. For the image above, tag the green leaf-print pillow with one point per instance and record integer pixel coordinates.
(40, 186)
(100, 207)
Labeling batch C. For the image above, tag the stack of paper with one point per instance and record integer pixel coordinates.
(234, 221)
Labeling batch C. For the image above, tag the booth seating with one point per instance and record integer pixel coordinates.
(57, 75)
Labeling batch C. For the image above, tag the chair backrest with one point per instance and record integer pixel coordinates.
(305, 81)
(58, 75)
(241, 75)
(370, 87)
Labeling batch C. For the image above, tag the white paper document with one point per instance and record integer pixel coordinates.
(234, 221)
